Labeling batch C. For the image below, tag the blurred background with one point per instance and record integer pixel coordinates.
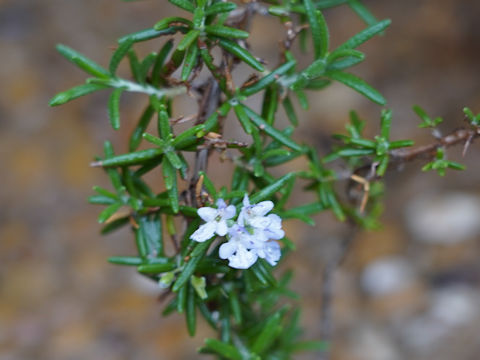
(410, 290)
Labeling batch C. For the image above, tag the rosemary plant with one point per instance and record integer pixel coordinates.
(228, 240)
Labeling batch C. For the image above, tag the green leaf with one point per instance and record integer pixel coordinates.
(174, 159)
(349, 152)
(133, 158)
(270, 331)
(82, 62)
(142, 125)
(114, 108)
(151, 228)
(155, 268)
(268, 79)
(135, 67)
(235, 306)
(189, 62)
(159, 62)
(223, 349)
(195, 257)
(271, 189)
(274, 133)
(108, 212)
(362, 11)
(165, 23)
(226, 32)
(145, 66)
(365, 35)
(125, 260)
(220, 7)
(190, 313)
(290, 111)
(114, 225)
(358, 85)
(182, 299)
(319, 29)
(183, 4)
(243, 54)
(118, 55)
(150, 33)
(101, 200)
(73, 93)
(243, 118)
(455, 165)
(188, 39)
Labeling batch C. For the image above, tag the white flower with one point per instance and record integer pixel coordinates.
(216, 221)
(254, 215)
(263, 227)
(240, 249)
(250, 237)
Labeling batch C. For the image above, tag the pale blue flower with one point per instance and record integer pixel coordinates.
(270, 251)
(216, 221)
(240, 248)
(250, 237)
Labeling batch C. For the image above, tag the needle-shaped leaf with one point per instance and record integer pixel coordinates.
(362, 11)
(365, 35)
(125, 260)
(226, 32)
(290, 110)
(271, 189)
(240, 52)
(118, 55)
(73, 93)
(358, 85)
(243, 118)
(267, 336)
(223, 349)
(108, 212)
(101, 200)
(220, 7)
(151, 227)
(268, 79)
(189, 62)
(183, 4)
(195, 257)
(142, 125)
(133, 158)
(166, 22)
(82, 61)
(114, 108)
(150, 33)
(274, 133)
(188, 39)
(319, 29)
(155, 268)
(159, 62)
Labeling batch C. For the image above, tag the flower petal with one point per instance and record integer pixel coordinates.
(262, 208)
(207, 213)
(227, 249)
(204, 232)
(259, 222)
(221, 204)
(229, 212)
(246, 201)
(272, 252)
(222, 228)
(243, 258)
